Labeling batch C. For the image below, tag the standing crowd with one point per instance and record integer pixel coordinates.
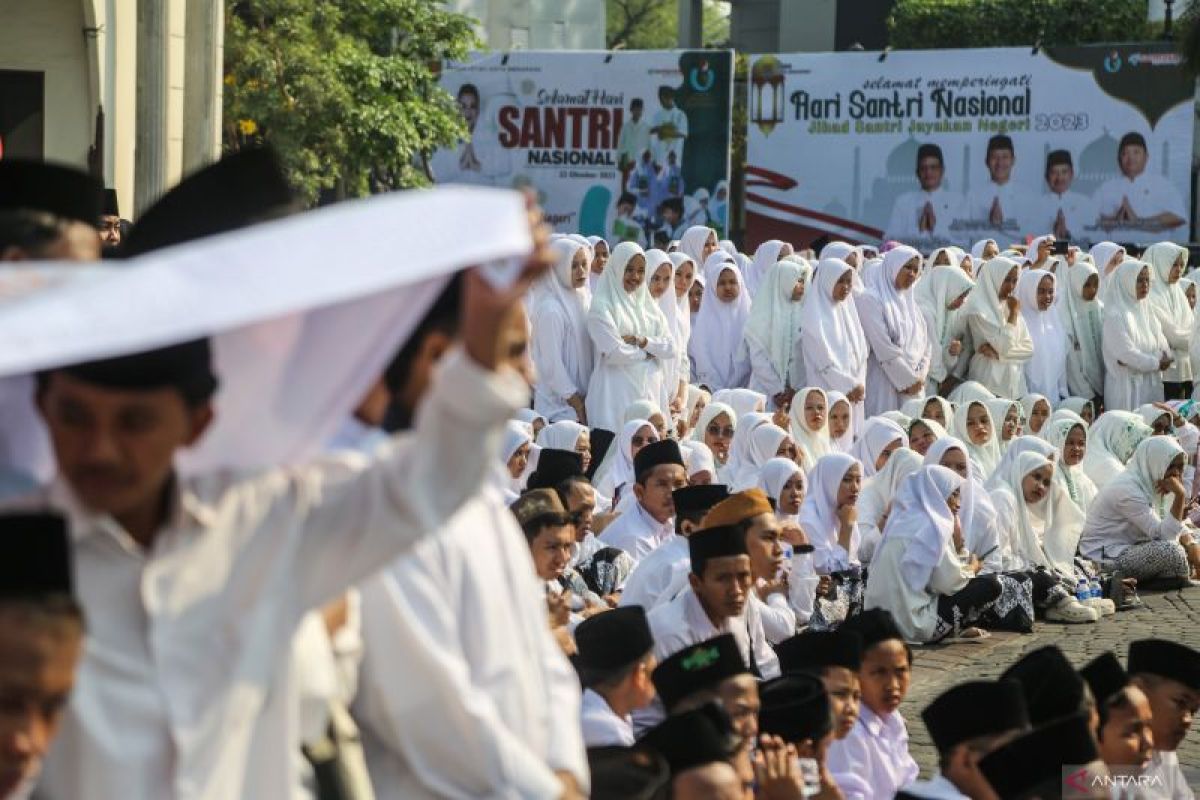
(642, 524)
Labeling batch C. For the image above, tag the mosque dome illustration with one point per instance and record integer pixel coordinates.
(1097, 163)
(900, 176)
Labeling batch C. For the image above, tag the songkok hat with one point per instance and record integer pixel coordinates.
(555, 466)
(1052, 687)
(35, 555)
(242, 188)
(697, 668)
(1058, 157)
(1104, 676)
(111, 207)
(1038, 757)
(815, 651)
(738, 507)
(613, 640)
(1133, 137)
(720, 542)
(540, 507)
(186, 367)
(691, 500)
(874, 625)
(928, 150)
(1166, 659)
(973, 709)
(665, 451)
(693, 738)
(1000, 141)
(627, 773)
(56, 189)
(795, 708)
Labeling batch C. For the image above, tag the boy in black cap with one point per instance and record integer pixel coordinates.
(700, 748)
(835, 658)
(41, 640)
(660, 576)
(874, 760)
(658, 471)
(48, 212)
(966, 723)
(796, 709)
(1124, 732)
(1051, 686)
(711, 671)
(615, 661)
(628, 773)
(1169, 674)
(1031, 766)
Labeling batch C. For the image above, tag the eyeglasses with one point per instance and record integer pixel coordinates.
(638, 441)
(717, 430)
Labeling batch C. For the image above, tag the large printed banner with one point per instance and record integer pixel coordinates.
(950, 147)
(625, 145)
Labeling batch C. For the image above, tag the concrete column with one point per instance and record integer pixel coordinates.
(691, 23)
(150, 148)
(202, 83)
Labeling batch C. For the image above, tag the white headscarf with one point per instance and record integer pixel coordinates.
(711, 411)
(764, 445)
(1112, 440)
(765, 257)
(812, 444)
(729, 247)
(832, 331)
(1046, 367)
(775, 474)
(998, 409)
(1083, 320)
(818, 514)
(846, 440)
(743, 401)
(987, 455)
(934, 293)
(692, 243)
(1146, 468)
(1076, 405)
(915, 408)
(877, 434)
(631, 313)
(739, 447)
(694, 396)
(516, 434)
(879, 490)
(1020, 444)
(528, 416)
(978, 515)
(977, 249)
(681, 322)
(969, 391)
(561, 435)
(1029, 403)
(905, 325)
(617, 468)
(717, 332)
(774, 321)
(838, 250)
(1121, 303)
(922, 520)
(1168, 301)
(985, 299)
(1074, 480)
(1062, 521)
(1103, 253)
(700, 459)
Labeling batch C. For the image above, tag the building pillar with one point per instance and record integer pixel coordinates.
(202, 84)
(691, 24)
(150, 142)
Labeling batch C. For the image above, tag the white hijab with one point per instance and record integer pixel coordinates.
(572, 304)
(818, 514)
(1083, 319)
(764, 445)
(698, 458)
(1122, 304)
(1020, 444)
(630, 313)
(1112, 440)
(915, 408)
(1061, 520)
(617, 468)
(681, 322)
(812, 444)
(1168, 299)
(879, 490)
(774, 475)
(743, 401)
(774, 321)
(978, 515)
(739, 447)
(977, 249)
(765, 257)
(717, 332)
(876, 435)
(905, 325)
(561, 435)
(934, 293)
(985, 299)
(832, 330)
(921, 518)
(1049, 360)
(692, 243)
(843, 443)
(1146, 468)
(987, 455)
(1074, 480)
(516, 434)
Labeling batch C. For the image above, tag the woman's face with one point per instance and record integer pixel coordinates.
(1011, 420)
(728, 287)
(839, 419)
(579, 269)
(792, 495)
(841, 289)
(1143, 283)
(907, 275)
(1045, 293)
(660, 280)
(519, 460)
(1176, 270)
(798, 290)
(1088, 414)
(1039, 415)
(954, 501)
(852, 259)
(684, 277)
(957, 302)
(956, 460)
(694, 418)
(1190, 294)
(695, 295)
(920, 437)
(641, 437)
(600, 258)
(1091, 287)
(814, 411)
(784, 252)
(1115, 261)
(933, 410)
(710, 247)
(1036, 485)
(886, 453)
(979, 424)
(718, 435)
(635, 273)
(1175, 470)
(967, 265)
(851, 485)
(991, 250)
(583, 446)
(1162, 425)
(1075, 446)
(786, 449)
(1009, 283)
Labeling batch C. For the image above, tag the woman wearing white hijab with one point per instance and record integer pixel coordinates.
(1006, 415)
(784, 482)
(1137, 520)
(600, 254)
(630, 336)
(1135, 351)
(698, 243)
(767, 442)
(694, 405)
(679, 322)
(1046, 370)
(560, 345)
(809, 424)
(998, 331)
(940, 296)
(660, 272)
(1070, 437)
(568, 435)
(1106, 257)
(768, 254)
(772, 332)
(880, 437)
(617, 468)
(716, 429)
(895, 330)
(980, 522)
(934, 408)
(969, 392)
(1170, 305)
(700, 464)
(828, 515)
(983, 250)
(918, 575)
(974, 426)
(835, 349)
(1112, 440)
(742, 401)
(1081, 407)
(716, 345)
(877, 494)
(514, 455)
(841, 422)
(739, 448)
(1035, 412)
(1082, 316)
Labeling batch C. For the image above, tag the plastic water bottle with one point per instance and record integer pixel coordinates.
(1082, 590)
(1097, 592)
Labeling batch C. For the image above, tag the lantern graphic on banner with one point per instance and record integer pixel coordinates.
(766, 81)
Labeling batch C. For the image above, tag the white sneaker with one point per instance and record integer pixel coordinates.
(1072, 611)
(1103, 605)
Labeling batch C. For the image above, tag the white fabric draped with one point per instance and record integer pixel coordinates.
(716, 344)
(1046, 370)
(835, 349)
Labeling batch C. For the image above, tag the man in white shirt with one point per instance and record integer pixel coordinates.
(966, 723)
(653, 579)
(923, 217)
(1169, 673)
(1068, 215)
(1001, 207)
(634, 139)
(669, 128)
(658, 471)
(1139, 204)
(615, 660)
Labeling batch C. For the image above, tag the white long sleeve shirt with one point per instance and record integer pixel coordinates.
(1118, 519)
(649, 584)
(683, 622)
(601, 725)
(637, 533)
(873, 760)
(185, 689)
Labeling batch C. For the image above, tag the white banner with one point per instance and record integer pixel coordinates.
(949, 147)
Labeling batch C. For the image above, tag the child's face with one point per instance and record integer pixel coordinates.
(624, 209)
(884, 676)
(1126, 741)
(728, 287)
(839, 420)
(844, 695)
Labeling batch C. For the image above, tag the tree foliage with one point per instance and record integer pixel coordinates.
(926, 24)
(653, 24)
(345, 90)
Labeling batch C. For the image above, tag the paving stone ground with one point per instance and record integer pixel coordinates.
(1169, 615)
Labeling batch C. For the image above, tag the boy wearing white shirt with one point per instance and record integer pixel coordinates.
(1138, 202)
(658, 471)
(616, 657)
(1000, 205)
(1169, 673)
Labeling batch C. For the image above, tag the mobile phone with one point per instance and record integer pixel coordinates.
(810, 776)
(1061, 246)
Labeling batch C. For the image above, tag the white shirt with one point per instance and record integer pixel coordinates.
(659, 147)
(1078, 210)
(601, 725)
(938, 787)
(647, 586)
(1015, 203)
(683, 622)
(1165, 765)
(778, 619)
(1119, 518)
(637, 533)
(872, 761)
(907, 211)
(185, 687)
(1149, 194)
